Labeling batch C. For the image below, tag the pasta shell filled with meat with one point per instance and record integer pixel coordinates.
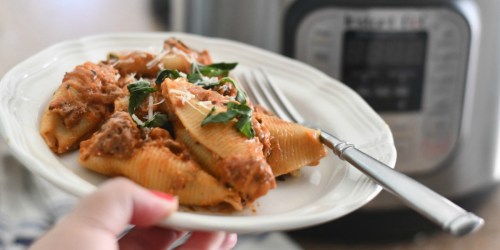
(292, 145)
(139, 63)
(79, 106)
(177, 55)
(157, 162)
(239, 161)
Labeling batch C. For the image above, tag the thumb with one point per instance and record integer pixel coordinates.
(102, 215)
(120, 202)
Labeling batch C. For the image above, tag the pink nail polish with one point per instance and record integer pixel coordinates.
(163, 195)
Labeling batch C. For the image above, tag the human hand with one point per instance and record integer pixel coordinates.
(100, 217)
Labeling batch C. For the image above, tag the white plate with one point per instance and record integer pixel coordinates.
(322, 193)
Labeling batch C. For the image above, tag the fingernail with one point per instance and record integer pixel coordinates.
(163, 195)
(170, 202)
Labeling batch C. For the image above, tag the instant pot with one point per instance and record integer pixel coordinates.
(428, 67)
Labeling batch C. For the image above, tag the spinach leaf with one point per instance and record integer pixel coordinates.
(139, 91)
(244, 125)
(158, 120)
(166, 73)
(240, 111)
(216, 69)
(113, 56)
(195, 78)
(199, 71)
(240, 94)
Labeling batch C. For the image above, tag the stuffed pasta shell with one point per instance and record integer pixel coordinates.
(157, 162)
(292, 145)
(81, 103)
(236, 160)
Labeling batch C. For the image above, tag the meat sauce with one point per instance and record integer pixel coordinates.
(118, 137)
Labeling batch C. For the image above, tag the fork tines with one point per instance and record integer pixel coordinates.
(261, 90)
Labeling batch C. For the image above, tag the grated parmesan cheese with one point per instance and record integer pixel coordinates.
(160, 102)
(185, 95)
(205, 104)
(137, 120)
(156, 60)
(150, 107)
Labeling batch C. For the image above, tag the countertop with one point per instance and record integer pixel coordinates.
(27, 26)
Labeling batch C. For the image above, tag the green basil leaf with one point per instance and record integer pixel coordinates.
(158, 120)
(139, 91)
(240, 111)
(241, 108)
(216, 69)
(166, 73)
(223, 66)
(221, 117)
(206, 85)
(244, 125)
(198, 72)
(240, 94)
(212, 70)
(113, 56)
(195, 78)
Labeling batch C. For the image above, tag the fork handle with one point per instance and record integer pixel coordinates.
(433, 206)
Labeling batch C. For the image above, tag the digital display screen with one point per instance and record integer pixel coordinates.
(385, 68)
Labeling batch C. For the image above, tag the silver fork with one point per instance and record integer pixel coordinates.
(433, 206)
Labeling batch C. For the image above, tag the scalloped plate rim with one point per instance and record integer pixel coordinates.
(186, 220)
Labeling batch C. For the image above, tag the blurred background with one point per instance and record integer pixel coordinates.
(428, 67)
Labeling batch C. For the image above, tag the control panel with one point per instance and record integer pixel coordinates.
(409, 64)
